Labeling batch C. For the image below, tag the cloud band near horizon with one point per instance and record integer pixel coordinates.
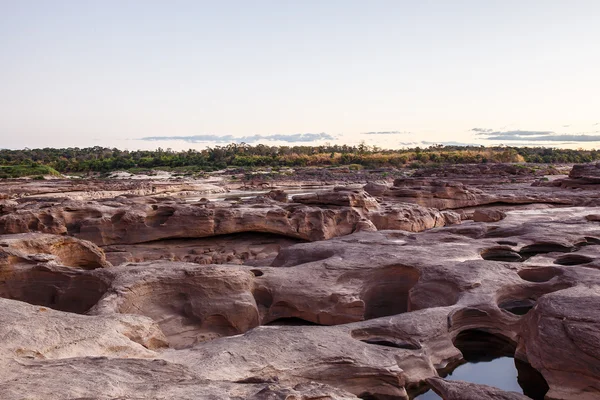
(293, 138)
(536, 136)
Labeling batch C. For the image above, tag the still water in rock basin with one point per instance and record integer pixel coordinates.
(500, 373)
(488, 361)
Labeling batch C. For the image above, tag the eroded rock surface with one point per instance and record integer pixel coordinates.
(395, 298)
(139, 220)
(561, 339)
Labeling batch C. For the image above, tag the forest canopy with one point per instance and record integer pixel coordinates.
(101, 159)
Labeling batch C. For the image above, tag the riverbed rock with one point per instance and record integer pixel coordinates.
(488, 215)
(139, 220)
(340, 196)
(459, 390)
(378, 310)
(25, 331)
(587, 172)
(561, 339)
(68, 251)
(190, 302)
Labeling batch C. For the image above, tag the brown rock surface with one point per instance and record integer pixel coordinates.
(488, 215)
(112, 378)
(191, 303)
(457, 390)
(456, 192)
(587, 172)
(137, 220)
(561, 339)
(367, 313)
(94, 189)
(65, 250)
(243, 248)
(25, 331)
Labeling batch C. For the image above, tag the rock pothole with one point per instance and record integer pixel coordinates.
(518, 307)
(540, 274)
(506, 253)
(387, 291)
(159, 216)
(573, 259)
(501, 254)
(60, 289)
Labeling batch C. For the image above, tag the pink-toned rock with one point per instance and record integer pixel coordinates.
(190, 302)
(459, 390)
(561, 339)
(488, 215)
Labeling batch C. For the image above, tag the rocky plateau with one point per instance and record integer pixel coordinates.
(376, 290)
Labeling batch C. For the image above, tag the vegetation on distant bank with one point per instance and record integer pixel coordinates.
(26, 169)
(48, 161)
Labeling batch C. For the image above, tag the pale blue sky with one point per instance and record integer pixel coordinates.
(108, 73)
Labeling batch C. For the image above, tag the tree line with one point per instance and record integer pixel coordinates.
(102, 159)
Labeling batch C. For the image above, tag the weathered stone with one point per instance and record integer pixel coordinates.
(561, 339)
(488, 215)
(458, 390)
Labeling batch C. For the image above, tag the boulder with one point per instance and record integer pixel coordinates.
(488, 215)
(459, 390)
(561, 339)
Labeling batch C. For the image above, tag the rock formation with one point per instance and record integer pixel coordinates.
(366, 297)
(138, 220)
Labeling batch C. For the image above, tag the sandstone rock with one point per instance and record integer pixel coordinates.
(593, 217)
(488, 171)
(438, 194)
(561, 339)
(65, 250)
(587, 172)
(25, 331)
(135, 220)
(397, 304)
(341, 196)
(488, 215)
(458, 390)
(410, 217)
(298, 355)
(105, 378)
(244, 248)
(91, 189)
(278, 195)
(447, 193)
(191, 303)
(50, 271)
(376, 189)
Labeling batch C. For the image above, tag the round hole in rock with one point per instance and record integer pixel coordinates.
(573, 259)
(159, 217)
(433, 293)
(387, 291)
(590, 240)
(489, 361)
(545, 247)
(501, 254)
(517, 307)
(538, 275)
(69, 291)
(257, 272)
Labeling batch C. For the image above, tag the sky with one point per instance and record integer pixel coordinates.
(142, 74)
